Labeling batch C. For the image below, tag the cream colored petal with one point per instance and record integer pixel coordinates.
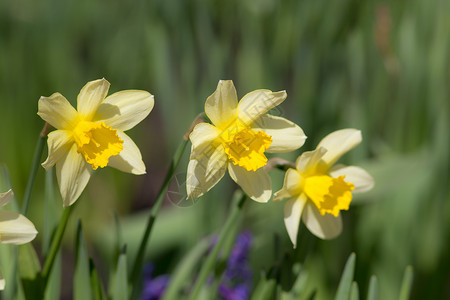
(256, 184)
(291, 186)
(257, 103)
(129, 160)
(221, 106)
(59, 142)
(15, 228)
(202, 139)
(73, 173)
(2, 281)
(292, 215)
(310, 161)
(91, 96)
(6, 197)
(205, 172)
(57, 111)
(362, 180)
(124, 109)
(338, 143)
(325, 227)
(286, 135)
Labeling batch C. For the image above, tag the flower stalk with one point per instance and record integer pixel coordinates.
(34, 167)
(137, 266)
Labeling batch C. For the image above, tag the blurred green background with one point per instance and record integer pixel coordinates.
(382, 67)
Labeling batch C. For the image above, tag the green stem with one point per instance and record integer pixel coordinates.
(212, 257)
(137, 266)
(34, 168)
(55, 245)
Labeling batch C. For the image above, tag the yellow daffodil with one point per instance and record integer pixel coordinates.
(236, 140)
(318, 191)
(14, 228)
(93, 135)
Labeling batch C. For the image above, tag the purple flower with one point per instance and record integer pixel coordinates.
(153, 287)
(237, 281)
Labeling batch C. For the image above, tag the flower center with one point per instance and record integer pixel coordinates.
(245, 147)
(330, 195)
(97, 142)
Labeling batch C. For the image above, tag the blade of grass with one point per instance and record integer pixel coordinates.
(120, 282)
(81, 280)
(343, 291)
(354, 293)
(373, 287)
(407, 283)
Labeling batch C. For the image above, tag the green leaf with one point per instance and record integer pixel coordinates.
(50, 212)
(343, 291)
(407, 283)
(53, 289)
(81, 280)
(96, 283)
(30, 272)
(373, 287)
(265, 290)
(354, 293)
(184, 270)
(121, 282)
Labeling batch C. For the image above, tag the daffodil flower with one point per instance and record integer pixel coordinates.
(318, 191)
(237, 139)
(14, 228)
(93, 135)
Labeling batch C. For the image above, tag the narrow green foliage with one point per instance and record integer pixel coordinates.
(96, 283)
(210, 262)
(120, 282)
(81, 280)
(184, 271)
(53, 289)
(354, 293)
(29, 271)
(137, 266)
(344, 288)
(373, 287)
(265, 290)
(407, 283)
(300, 282)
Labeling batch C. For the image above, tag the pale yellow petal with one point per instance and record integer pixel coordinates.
(91, 96)
(291, 186)
(292, 215)
(204, 173)
(256, 184)
(325, 227)
(202, 139)
(338, 143)
(73, 173)
(6, 197)
(124, 109)
(221, 106)
(57, 111)
(362, 180)
(129, 160)
(286, 135)
(311, 161)
(15, 228)
(257, 103)
(59, 142)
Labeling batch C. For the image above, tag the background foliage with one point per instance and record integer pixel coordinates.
(382, 67)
